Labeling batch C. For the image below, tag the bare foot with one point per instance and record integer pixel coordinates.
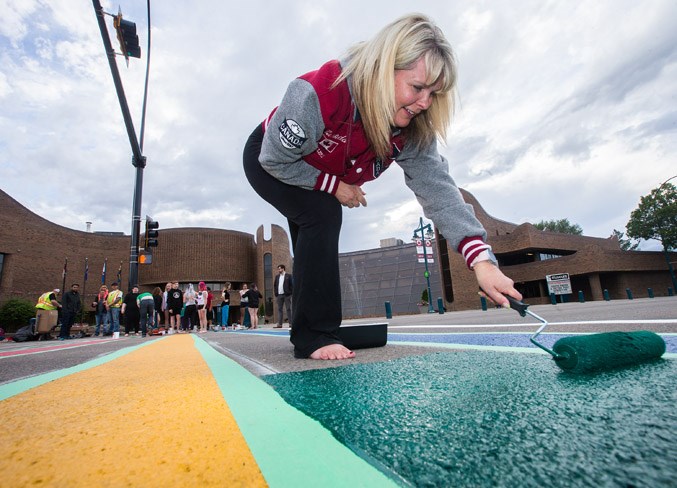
(333, 351)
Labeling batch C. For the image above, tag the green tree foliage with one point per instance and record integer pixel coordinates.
(656, 217)
(562, 226)
(626, 244)
(16, 313)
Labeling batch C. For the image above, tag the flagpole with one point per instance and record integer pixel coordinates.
(63, 277)
(84, 290)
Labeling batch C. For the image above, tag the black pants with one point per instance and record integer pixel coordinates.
(315, 220)
(67, 320)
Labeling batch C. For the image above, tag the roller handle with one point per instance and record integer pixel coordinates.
(521, 307)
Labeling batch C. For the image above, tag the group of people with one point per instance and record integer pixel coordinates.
(69, 308)
(176, 310)
(189, 310)
(138, 310)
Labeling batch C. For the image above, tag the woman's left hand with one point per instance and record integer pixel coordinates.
(495, 284)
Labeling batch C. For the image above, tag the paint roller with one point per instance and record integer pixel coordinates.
(597, 352)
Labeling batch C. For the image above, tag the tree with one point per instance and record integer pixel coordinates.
(562, 226)
(656, 217)
(626, 244)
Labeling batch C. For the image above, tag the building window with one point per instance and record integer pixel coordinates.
(268, 283)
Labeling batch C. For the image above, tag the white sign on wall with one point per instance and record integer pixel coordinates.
(559, 284)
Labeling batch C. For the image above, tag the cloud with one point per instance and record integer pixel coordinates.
(562, 108)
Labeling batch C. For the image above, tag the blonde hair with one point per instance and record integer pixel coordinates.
(371, 68)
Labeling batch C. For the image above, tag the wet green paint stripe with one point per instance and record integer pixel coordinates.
(290, 448)
(10, 389)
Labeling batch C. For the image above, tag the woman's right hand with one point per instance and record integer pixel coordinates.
(350, 195)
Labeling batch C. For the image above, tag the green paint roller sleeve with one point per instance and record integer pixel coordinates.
(608, 350)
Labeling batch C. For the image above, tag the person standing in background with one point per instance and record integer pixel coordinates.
(130, 311)
(158, 300)
(253, 296)
(201, 303)
(71, 308)
(100, 312)
(210, 308)
(146, 304)
(244, 305)
(190, 318)
(283, 291)
(114, 305)
(165, 310)
(225, 304)
(174, 305)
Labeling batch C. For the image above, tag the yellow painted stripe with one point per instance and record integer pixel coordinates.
(154, 417)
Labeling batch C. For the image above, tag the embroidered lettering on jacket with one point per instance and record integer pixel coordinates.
(292, 135)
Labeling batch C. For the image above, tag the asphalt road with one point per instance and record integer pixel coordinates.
(268, 351)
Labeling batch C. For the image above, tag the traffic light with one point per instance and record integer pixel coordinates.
(129, 41)
(151, 233)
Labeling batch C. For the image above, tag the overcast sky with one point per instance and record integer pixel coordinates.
(567, 109)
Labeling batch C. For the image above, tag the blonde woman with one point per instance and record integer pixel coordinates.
(388, 100)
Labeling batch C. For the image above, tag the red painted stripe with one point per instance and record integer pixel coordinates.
(35, 350)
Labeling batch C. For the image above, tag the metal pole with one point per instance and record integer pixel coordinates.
(421, 228)
(138, 160)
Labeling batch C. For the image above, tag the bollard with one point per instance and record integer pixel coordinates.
(553, 299)
(581, 297)
(389, 311)
(440, 305)
(629, 293)
(483, 302)
(606, 295)
(650, 292)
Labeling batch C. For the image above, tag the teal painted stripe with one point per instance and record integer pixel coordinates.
(10, 389)
(290, 448)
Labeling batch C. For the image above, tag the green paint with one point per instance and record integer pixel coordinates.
(290, 448)
(10, 389)
(483, 418)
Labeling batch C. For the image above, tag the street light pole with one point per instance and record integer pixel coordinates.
(428, 231)
(138, 159)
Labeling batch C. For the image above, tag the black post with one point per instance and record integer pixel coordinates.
(138, 160)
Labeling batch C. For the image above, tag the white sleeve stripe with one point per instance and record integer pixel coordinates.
(469, 246)
(323, 186)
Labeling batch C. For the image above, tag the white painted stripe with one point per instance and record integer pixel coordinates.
(584, 322)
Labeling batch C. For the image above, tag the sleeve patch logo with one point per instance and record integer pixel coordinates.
(292, 135)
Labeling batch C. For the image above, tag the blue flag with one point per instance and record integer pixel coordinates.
(103, 273)
(86, 268)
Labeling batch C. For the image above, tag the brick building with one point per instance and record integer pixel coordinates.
(33, 251)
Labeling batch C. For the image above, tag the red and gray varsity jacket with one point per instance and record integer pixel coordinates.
(315, 138)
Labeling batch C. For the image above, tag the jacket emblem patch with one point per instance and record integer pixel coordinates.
(292, 135)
